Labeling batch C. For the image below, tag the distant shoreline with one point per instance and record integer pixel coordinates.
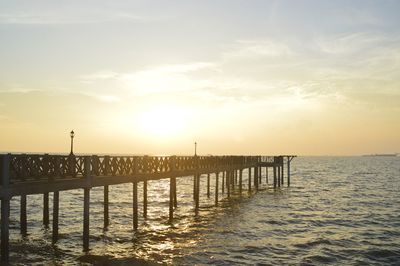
(381, 155)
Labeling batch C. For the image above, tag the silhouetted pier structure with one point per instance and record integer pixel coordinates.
(25, 174)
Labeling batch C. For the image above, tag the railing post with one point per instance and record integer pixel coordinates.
(5, 207)
(106, 165)
(72, 165)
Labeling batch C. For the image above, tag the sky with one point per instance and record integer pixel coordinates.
(236, 76)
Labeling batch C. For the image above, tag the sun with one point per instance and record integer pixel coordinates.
(162, 122)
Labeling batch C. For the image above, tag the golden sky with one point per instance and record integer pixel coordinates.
(238, 77)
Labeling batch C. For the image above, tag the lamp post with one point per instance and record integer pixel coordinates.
(72, 134)
(195, 149)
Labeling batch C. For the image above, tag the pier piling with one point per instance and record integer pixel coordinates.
(46, 209)
(240, 181)
(5, 208)
(208, 185)
(223, 182)
(135, 205)
(174, 191)
(56, 202)
(106, 216)
(216, 188)
(145, 199)
(86, 204)
(23, 223)
(249, 179)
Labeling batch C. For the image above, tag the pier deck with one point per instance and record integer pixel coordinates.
(25, 174)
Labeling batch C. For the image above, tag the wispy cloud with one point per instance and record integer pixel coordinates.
(257, 48)
(53, 18)
(348, 43)
(357, 17)
(16, 88)
(160, 79)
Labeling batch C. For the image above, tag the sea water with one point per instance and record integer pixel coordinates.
(338, 210)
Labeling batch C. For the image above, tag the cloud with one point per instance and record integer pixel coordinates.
(161, 79)
(101, 75)
(106, 98)
(54, 18)
(348, 43)
(16, 88)
(257, 48)
(333, 70)
(357, 17)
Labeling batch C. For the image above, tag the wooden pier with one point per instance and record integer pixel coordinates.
(23, 174)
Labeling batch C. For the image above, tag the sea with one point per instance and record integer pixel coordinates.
(337, 211)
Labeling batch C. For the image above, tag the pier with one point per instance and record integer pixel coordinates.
(26, 174)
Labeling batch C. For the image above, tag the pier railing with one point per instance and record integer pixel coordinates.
(26, 167)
